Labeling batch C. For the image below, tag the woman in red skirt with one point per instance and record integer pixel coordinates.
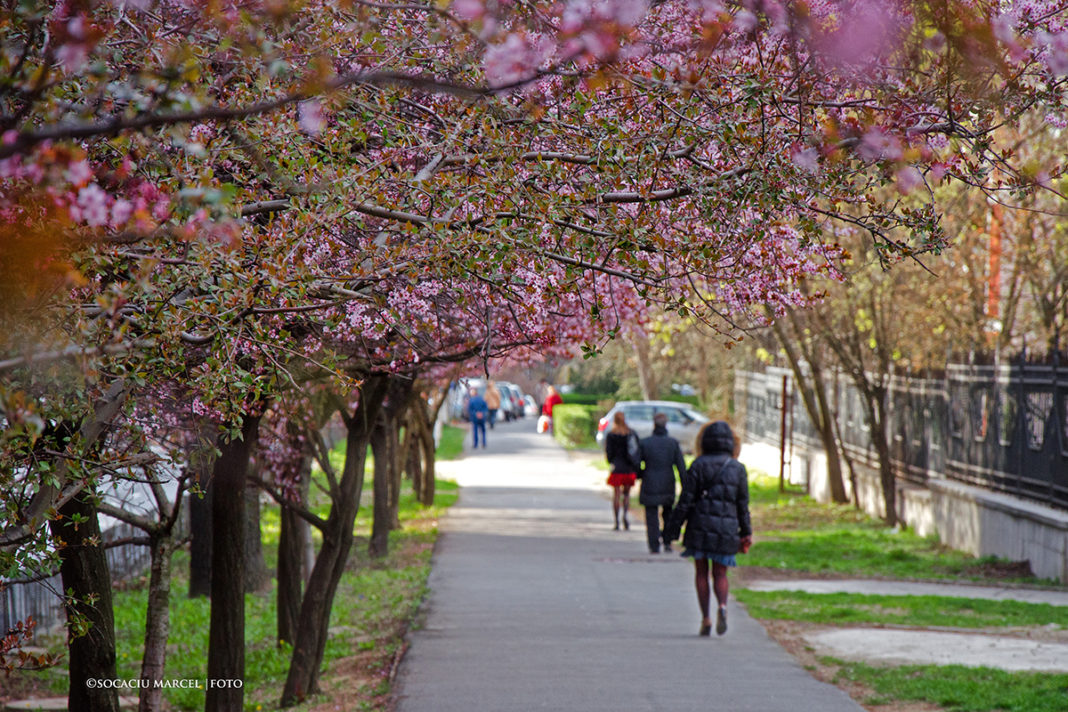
(622, 449)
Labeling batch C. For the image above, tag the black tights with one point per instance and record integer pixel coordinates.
(620, 496)
(719, 584)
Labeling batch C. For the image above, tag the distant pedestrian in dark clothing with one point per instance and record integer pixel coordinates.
(623, 450)
(714, 504)
(478, 412)
(661, 459)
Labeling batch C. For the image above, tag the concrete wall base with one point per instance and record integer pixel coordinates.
(970, 519)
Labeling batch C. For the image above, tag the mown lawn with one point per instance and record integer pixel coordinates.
(955, 688)
(798, 537)
(792, 532)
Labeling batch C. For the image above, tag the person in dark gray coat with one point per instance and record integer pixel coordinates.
(661, 459)
(714, 504)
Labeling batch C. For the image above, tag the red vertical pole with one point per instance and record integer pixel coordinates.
(993, 297)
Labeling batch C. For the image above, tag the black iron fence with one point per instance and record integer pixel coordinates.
(44, 599)
(999, 426)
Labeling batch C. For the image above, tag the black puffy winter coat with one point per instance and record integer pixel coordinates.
(617, 452)
(661, 457)
(714, 502)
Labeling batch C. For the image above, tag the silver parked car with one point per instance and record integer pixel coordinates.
(684, 422)
(530, 407)
(510, 408)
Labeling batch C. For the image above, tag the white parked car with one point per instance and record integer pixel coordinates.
(683, 421)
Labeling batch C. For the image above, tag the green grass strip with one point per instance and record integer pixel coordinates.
(452, 442)
(924, 611)
(955, 688)
(796, 533)
(866, 549)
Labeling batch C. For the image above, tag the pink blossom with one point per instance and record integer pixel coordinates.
(93, 202)
(468, 9)
(161, 210)
(807, 159)
(745, 21)
(79, 173)
(877, 145)
(121, 212)
(867, 31)
(310, 115)
(1056, 54)
(202, 133)
(1058, 120)
(513, 60)
(72, 56)
(908, 179)
(935, 43)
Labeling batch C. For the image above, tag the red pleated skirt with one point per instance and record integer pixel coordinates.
(622, 479)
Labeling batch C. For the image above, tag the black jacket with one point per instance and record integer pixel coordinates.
(661, 458)
(714, 502)
(616, 452)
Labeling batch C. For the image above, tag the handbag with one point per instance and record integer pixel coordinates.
(544, 423)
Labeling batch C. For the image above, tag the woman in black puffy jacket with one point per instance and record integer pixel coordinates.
(714, 504)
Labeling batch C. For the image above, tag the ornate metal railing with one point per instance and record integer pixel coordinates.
(999, 426)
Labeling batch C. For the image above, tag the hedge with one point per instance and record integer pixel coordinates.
(575, 425)
(601, 398)
(586, 398)
(692, 400)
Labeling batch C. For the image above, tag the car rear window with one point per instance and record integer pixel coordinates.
(638, 412)
(674, 414)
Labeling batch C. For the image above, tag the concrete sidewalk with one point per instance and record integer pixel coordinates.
(537, 604)
(881, 587)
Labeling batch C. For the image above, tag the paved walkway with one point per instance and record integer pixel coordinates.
(917, 588)
(537, 604)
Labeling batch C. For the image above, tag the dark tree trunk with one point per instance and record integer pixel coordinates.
(813, 390)
(314, 622)
(291, 542)
(86, 576)
(200, 542)
(385, 443)
(886, 469)
(257, 577)
(427, 490)
(421, 451)
(226, 640)
(157, 623)
(380, 526)
(396, 472)
(413, 454)
(201, 461)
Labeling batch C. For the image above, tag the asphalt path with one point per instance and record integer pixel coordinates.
(536, 603)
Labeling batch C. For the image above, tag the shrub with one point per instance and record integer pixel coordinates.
(575, 425)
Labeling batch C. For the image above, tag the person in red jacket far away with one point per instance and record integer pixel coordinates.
(552, 398)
